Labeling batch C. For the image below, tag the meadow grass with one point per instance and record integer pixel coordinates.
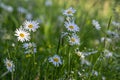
(56, 51)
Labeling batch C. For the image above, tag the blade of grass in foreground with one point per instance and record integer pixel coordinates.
(101, 55)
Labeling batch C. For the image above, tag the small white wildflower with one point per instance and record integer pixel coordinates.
(29, 45)
(13, 44)
(9, 8)
(32, 50)
(55, 60)
(64, 34)
(9, 65)
(113, 34)
(107, 39)
(29, 16)
(96, 24)
(6, 7)
(60, 19)
(48, 2)
(95, 73)
(21, 10)
(71, 26)
(69, 12)
(103, 78)
(35, 50)
(22, 35)
(108, 53)
(72, 72)
(31, 25)
(80, 54)
(115, 23)
(79, 73)
(74, 40)
(83, 61)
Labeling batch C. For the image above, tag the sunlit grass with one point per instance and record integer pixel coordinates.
(84, 46)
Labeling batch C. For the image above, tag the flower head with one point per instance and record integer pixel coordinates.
(22, 35)
(96, 24)
(74, 40)
(9, 65)
(71, 26)
(31, 25)
(55, 60)
(30, 47)
(69, 12)
(80, 54)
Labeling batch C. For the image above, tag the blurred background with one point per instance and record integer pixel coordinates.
(49, 13)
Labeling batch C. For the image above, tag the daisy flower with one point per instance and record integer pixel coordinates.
(31, 25)
(22, 35)
(96, 24)
(74, 40)
(69, 12)
(71, 26)
(80, 54)
(9, 65)
(55, 60)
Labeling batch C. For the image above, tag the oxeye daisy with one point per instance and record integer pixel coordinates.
(22, 35)
(55, 60)
(31, 25)
(71, 26)
(74, 40)
(9, 65)
(69, 12)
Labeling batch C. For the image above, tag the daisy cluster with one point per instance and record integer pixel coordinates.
(23, 35)
(71, 27)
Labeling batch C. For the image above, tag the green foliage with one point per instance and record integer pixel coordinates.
(102, 58)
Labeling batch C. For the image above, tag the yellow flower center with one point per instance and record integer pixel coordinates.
(56, 59)
(9, 65)
(22, 35)
(71, 27)
(73, 39)
(69, 12)
(30, 26)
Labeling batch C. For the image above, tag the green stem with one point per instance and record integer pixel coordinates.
(12, 76)
(58, 45)
(104, 47)
(4, 74)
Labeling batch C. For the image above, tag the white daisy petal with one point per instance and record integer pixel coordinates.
(71, 26)
(9, 65)
(69, 12)
(31, 25)
(22, 35)
(74, 40)
(96, 24)
(55, 60)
